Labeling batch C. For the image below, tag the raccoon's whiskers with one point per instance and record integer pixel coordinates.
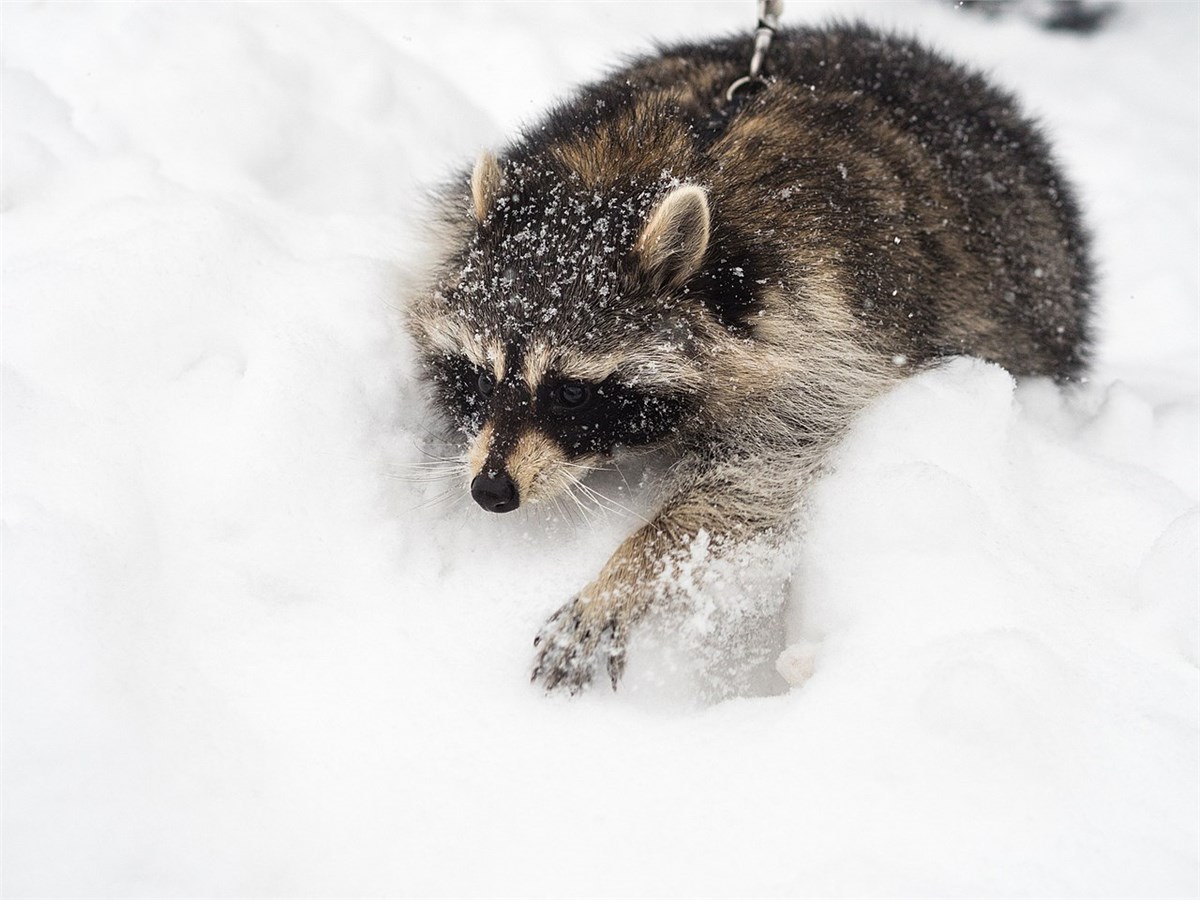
(459, 458)
(597, 499)
(582, 466)
(558, 508)
(624, 480)
(448, 466)
(419, 479)
(440, 499)
(427, 472)
(611, 505)
(584, 510)
(566, 489)
(448, 462)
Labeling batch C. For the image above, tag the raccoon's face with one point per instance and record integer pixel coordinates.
(536, 424)
(550, 355)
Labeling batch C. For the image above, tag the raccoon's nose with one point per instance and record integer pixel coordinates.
(495, 493)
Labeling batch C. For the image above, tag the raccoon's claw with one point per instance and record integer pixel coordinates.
(574, 642)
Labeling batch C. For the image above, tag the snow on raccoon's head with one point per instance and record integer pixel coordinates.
(561, 329)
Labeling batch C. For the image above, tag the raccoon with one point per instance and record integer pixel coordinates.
(729, 278)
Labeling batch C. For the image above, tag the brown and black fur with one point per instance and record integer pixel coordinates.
(732, 281)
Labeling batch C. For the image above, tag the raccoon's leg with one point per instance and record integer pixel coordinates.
(729, 501)
(590, 631)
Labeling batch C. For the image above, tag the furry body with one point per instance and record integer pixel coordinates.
(732, 281)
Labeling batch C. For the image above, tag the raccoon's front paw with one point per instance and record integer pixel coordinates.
(576, 641)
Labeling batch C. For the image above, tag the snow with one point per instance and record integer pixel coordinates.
(241, 658)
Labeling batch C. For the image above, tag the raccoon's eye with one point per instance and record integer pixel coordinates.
(573, 395)
(485, 384)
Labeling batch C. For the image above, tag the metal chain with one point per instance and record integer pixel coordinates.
(769, 12)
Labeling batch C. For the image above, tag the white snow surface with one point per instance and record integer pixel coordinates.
(240, 659)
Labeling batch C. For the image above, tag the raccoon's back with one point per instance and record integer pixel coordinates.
(993, 258)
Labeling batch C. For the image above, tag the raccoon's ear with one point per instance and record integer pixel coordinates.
(671, 246)
(486, 182)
